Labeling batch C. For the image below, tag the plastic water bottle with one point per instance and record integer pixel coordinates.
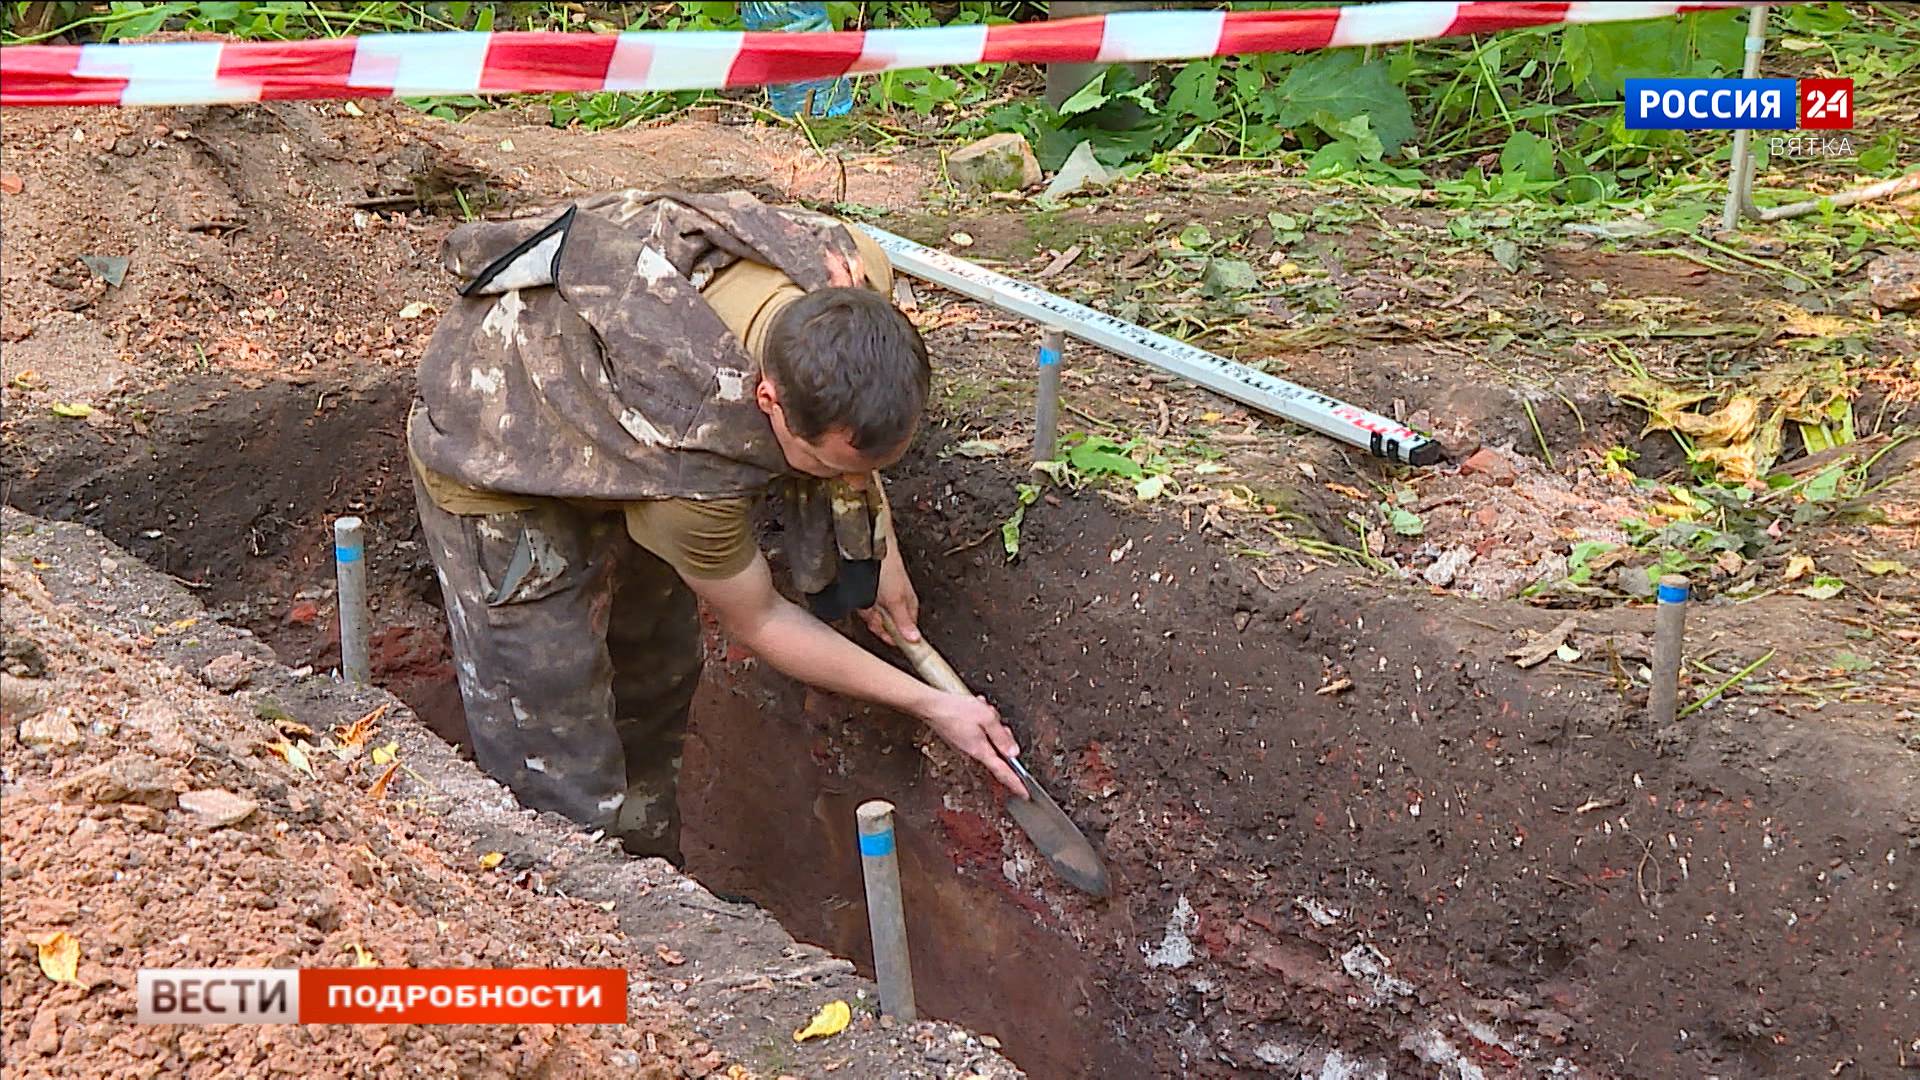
(831, 97)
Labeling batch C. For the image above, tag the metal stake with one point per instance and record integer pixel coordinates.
(1740, 178)
(885, 917)
(350, 560)
(1669, 633)
(1046, 413)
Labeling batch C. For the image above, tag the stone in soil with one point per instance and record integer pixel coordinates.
(215, 808)
(54, 732)
(227, 673)
(1895, 281)
(1491, 464)
(134, 778)
(1002, 162)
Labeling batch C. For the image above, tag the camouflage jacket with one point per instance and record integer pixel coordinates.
(582, 362)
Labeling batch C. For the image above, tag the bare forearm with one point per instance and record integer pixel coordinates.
(803, 647)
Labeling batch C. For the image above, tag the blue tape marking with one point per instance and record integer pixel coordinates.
(348, 554)
(1049, 357)
(1673, 594)
(876, 844)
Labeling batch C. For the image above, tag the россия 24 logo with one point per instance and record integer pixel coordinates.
(1727, 104)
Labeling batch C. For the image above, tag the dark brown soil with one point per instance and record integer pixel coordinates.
(1448, 859)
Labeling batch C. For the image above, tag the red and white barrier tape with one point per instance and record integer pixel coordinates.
(415, 65)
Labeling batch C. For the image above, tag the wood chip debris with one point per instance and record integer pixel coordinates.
(1544, 645)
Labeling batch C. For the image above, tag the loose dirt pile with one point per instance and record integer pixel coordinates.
(147, 818)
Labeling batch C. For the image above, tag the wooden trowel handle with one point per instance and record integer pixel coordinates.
(926, 660)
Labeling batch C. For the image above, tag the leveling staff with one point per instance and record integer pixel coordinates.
(597, 418)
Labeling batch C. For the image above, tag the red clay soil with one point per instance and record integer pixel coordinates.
(102, 845)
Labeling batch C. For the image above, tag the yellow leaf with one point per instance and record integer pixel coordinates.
(415, 309)
(354, 110)
(71, 411)
(295, 756)
(1798, 567)
(1210, 417)
(1880, 567)
(385, 755)
(490, 860)
(60, 957)
(961, 239)
(1673, 511)
(379, 789)
(361, 957)
(1349, 492)
(832, 1019)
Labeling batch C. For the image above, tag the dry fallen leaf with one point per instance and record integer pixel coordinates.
(353, 110)
(832, 1019)
(357, 732)
(415, 310)
(60, 957)
(490, 860)
(1349, 492)
(386, 755)
(1544, 645)
(1798, 567)
(961, 239)
(668, 956)
(295, 756)
(361, 957)
(12, 184)
(379, 789)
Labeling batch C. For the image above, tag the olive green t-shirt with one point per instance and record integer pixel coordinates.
(699, 538)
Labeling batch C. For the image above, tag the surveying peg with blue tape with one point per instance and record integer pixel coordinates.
(1046, 408)
(350, 570)
(877, 845)
(1669, 639)
(886, 918)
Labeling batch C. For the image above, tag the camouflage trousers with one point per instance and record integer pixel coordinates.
(578, 653)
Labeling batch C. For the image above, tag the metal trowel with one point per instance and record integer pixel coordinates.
(1067, 850)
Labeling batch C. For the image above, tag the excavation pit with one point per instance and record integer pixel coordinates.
(1345, 832)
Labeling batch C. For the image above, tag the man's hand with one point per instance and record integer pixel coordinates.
(895, 597)
(973, 727)
(755, 614)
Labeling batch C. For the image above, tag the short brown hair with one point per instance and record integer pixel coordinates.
(844, 359)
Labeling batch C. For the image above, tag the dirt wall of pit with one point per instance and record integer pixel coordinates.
(1345, 831)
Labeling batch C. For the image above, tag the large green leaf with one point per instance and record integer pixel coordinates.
(1603, 57)
(1196, 92)
(1342, 86)
(1527, 154)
